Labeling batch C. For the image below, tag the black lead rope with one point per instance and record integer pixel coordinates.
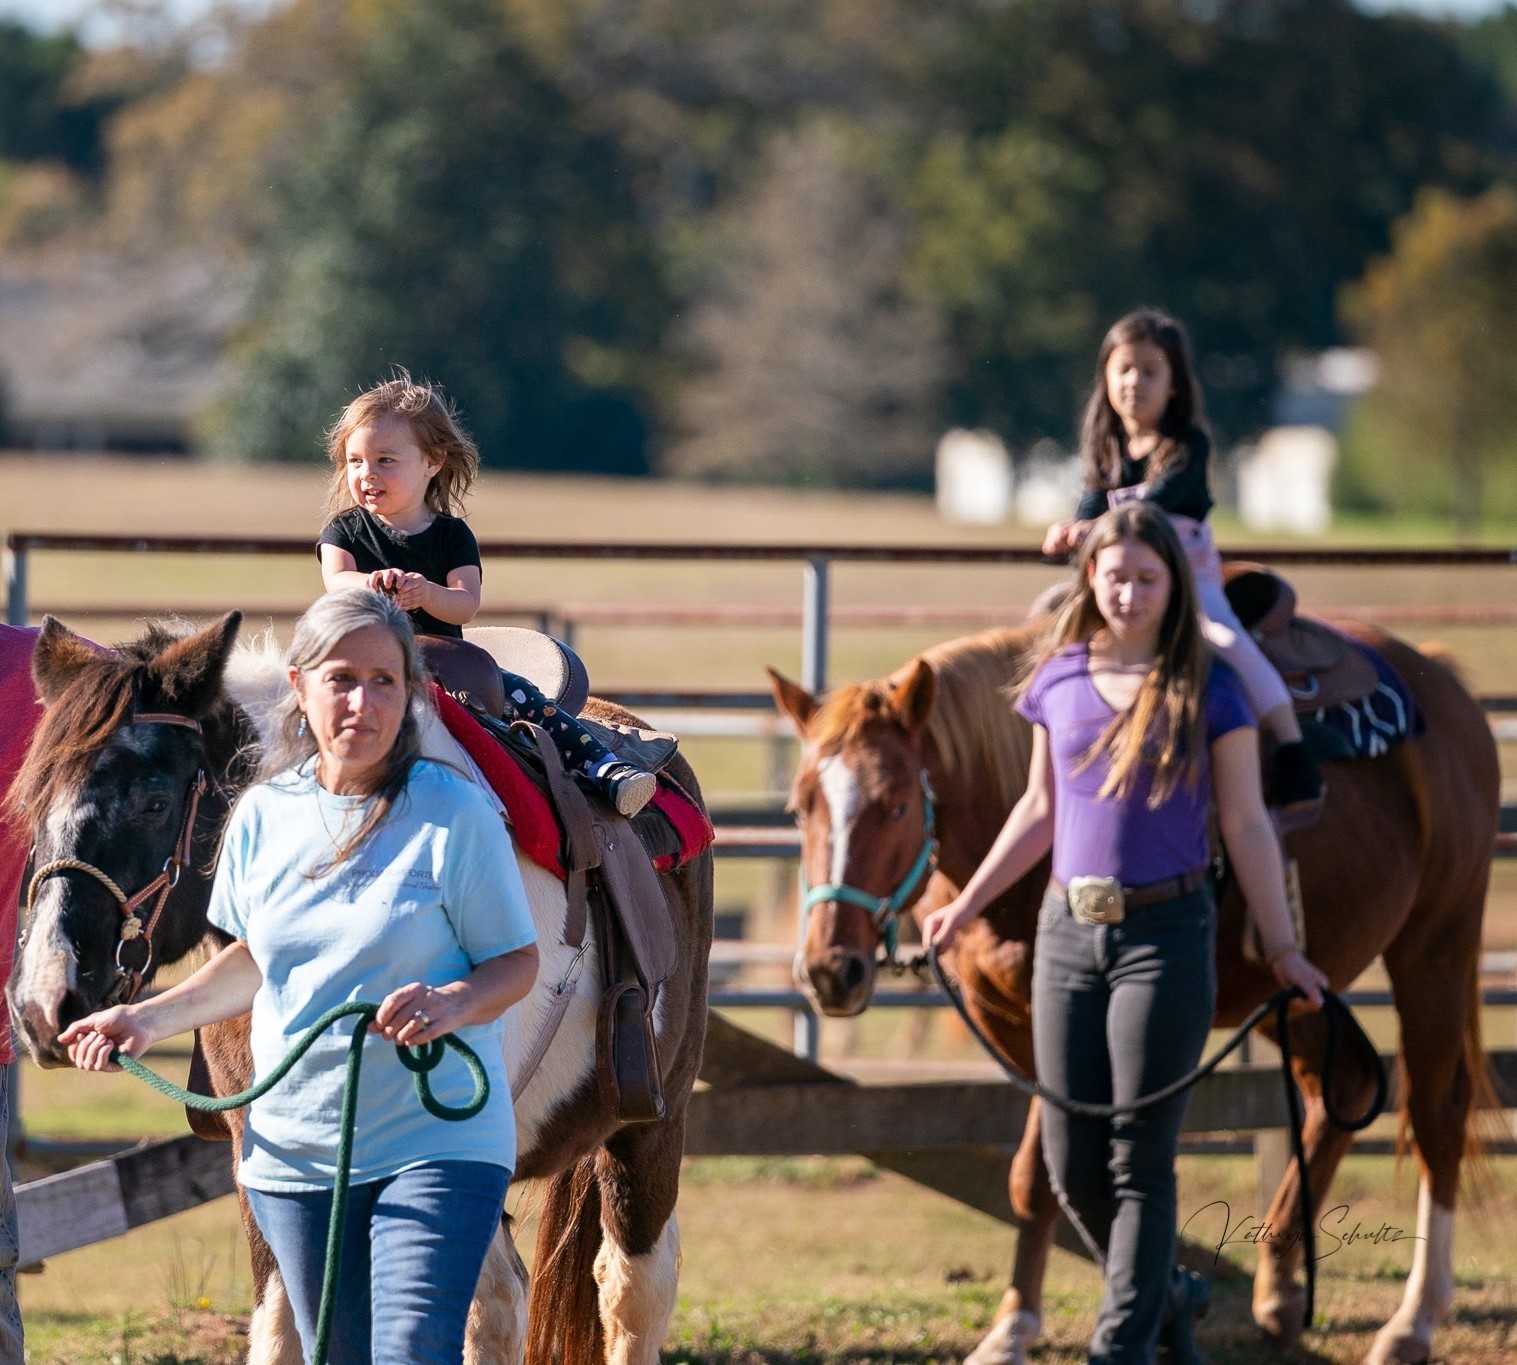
(1336, 1012)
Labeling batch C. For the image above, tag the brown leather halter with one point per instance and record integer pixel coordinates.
(133, 929)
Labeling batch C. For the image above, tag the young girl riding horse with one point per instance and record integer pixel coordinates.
(1136, 725)
(401, 467)
(1144, 437)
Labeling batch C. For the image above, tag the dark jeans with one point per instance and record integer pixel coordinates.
(412, 1250)
(1119, 1011)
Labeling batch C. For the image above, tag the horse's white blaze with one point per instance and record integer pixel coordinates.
(1429, 1285)
(571, 1058)
(840, 789)
(1007, 1341)
(637, 1296)
(497, 1329)
(48, 967)
(272, 1339)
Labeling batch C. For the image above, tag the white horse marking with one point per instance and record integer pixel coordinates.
(1007, 1341)
(843, 795)
(637, 1296)
(272, 1339)
(1429, 1287)
(497, 1329)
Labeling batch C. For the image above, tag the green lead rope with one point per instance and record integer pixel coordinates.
(418, 1060)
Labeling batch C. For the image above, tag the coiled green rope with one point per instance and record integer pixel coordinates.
(418, 1060)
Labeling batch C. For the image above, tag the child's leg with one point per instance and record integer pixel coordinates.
(1295, 783)
(627, 785)
(579, 749)
(1266, 689)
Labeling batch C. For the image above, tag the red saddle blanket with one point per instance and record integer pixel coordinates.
(533, 822)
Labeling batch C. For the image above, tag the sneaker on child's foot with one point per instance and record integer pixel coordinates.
(628, 786)
(1297, 782)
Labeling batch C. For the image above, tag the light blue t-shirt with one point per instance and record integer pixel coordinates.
(430, 894)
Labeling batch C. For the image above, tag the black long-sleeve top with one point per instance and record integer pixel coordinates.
(1182, 489)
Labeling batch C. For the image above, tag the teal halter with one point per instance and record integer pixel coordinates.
(884, 911)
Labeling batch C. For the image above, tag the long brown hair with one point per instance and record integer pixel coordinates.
(288, 743)
(1165, 724)
(1102, 435)
(435, 427)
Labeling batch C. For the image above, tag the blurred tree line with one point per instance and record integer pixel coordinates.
(772, 239)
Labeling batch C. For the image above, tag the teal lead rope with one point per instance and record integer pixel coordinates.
(418, 1060)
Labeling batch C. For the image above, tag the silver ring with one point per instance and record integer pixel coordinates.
(426, 1021)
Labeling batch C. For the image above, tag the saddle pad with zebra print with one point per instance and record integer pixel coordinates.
(1368, 726)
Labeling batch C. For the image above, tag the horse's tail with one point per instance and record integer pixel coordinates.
(563, 1313)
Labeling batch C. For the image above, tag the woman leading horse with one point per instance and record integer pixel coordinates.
(932, 758)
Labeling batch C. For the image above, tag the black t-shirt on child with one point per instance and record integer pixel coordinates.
(445, 545)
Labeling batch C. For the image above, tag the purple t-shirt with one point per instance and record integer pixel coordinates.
(1097, 836)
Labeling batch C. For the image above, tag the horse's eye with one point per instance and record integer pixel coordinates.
(899, 813)
(155, 805)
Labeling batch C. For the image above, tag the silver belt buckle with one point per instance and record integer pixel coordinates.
(1096, 900)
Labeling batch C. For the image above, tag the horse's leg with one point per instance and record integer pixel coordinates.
(1444, 1069)
(272, 1339)
(1019, 1317)
(637, 1267)
(1279, 1304)
(497, 1328)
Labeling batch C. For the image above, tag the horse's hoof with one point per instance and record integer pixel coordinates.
(1395, 1346)
(1282, 1316)
(1007, 1341)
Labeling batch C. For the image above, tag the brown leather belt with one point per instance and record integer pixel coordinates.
(1150, 893)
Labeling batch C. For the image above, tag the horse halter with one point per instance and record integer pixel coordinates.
(885, 911)
(133, 929)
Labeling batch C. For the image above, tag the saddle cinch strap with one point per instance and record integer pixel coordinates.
(1321, 667)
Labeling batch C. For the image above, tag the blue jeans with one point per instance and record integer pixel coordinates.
(1119, 1011)
(412, 1250)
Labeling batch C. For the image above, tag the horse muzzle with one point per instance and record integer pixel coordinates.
(838, 981)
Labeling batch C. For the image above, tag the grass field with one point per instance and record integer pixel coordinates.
(784, 1261)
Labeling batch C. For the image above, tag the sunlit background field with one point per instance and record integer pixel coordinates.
(785, 1260)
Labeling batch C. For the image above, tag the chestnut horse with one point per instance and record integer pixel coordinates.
(1397, 867)
(110, 778)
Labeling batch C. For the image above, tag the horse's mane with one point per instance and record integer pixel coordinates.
(75, 727)
(256, 680)
(98, 698)
(978, 737)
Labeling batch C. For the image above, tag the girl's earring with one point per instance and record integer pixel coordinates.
(300, 730)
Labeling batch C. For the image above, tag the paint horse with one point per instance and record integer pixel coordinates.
(1397, 867)
(125, 777)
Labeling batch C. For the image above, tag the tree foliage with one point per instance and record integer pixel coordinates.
(1440, 311)
(452, 212)
(767, 238)
(1235, 161)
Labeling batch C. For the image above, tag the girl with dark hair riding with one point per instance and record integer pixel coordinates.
(1144, 437)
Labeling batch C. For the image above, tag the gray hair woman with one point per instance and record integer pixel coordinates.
(356, 869)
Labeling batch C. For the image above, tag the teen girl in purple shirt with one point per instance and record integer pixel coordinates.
(1137, 726)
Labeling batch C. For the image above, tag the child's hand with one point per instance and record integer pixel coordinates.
(411, 592)
(1053, 542)
(387, 581)
(942, 926)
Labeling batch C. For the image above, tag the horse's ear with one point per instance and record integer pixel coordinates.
(57, 657)
(188, 673)
(914, 695)
(792, 699)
